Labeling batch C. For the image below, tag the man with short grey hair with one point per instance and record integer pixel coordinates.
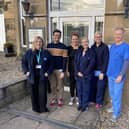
(117, 67)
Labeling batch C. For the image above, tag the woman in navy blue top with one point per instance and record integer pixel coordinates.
(36, 64)
(84, 67)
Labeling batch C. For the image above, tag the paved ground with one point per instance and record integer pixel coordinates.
(20, 116)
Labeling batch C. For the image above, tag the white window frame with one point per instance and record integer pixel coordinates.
(21, 13)
(3, 36)
(67, 14)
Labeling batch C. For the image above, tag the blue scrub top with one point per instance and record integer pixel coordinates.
(118, 54)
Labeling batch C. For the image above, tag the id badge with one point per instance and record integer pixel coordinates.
(97, 73)
(38, 66)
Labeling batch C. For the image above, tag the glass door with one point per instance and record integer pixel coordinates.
(80, 25)
(82, 28)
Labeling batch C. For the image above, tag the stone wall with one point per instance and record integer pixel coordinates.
(13, 92)
(12, 21)
(114, 17)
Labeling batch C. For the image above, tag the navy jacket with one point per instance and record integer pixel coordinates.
(59, 53)
(84, 64)
(102, 57)
(45, 61)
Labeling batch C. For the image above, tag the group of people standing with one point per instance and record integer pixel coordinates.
(87, 69)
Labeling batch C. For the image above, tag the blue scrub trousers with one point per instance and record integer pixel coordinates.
(83, 90)
(116, 90)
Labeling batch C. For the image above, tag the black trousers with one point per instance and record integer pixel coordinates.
(39, 95)
(97, 90)
(73, 87)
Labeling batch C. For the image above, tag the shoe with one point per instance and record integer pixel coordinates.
(53, 101)
(110, 110)
(71, 101)
(46, 110)
(60, 103)
(92, 103)
(98, 106)
(79, 108)
(77, 103)
(114, 119)
(84, 109)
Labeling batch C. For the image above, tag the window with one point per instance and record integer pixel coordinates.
(70, 5)
(99, 24)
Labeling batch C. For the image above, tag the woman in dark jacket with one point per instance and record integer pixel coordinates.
(72, 49)
(37, 65)
(84, 67)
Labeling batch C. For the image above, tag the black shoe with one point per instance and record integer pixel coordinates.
(79, 108)
(84, 109)
(46, 110)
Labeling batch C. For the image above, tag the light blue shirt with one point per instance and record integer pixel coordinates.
(118, 54)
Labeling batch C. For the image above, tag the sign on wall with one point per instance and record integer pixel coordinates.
(33, 32)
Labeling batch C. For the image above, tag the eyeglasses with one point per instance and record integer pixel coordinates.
(98, 36)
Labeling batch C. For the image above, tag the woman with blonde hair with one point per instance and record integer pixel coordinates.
(84, 63)
(36, 64)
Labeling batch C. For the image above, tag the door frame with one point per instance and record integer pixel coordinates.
(96, 12)
(80, 19)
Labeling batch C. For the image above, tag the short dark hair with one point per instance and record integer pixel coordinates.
(75, 34)
(56, 31)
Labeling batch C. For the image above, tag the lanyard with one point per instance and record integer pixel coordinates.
(38, 57)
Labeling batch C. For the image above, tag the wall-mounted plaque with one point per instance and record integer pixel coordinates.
(33, 32)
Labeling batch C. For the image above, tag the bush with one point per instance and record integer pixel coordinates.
(8, 45)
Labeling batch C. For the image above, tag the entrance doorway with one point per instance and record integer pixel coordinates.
(80, 25)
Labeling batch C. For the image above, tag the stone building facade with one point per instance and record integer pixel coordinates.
(85, 17)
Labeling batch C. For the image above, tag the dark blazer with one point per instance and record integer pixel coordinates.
(102, 57)
(85, 64)
(45, 61)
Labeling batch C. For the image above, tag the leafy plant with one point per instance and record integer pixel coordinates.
(8, 45)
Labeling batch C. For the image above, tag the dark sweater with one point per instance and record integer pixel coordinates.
(59, 53)
(102, 56)
(84, 64)
(71, 56)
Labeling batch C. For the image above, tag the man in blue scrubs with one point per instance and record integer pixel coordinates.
(117, 67)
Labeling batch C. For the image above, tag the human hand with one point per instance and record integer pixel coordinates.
(61, 75)
(67, 73)
(46, 74)
(101, 76)
(119, 79)
(80, 74)
(27, 74)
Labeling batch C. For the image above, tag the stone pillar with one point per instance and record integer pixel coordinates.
(114, 17)
(17, 24)
(12, 23)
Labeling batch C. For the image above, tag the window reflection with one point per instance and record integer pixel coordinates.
(68, 5)
(99, 24)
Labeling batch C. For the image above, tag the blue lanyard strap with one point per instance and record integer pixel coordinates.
(38, 57)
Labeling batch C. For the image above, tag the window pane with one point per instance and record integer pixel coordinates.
(82, 28)
(99, 24)
(68, 5)
(55, 5)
